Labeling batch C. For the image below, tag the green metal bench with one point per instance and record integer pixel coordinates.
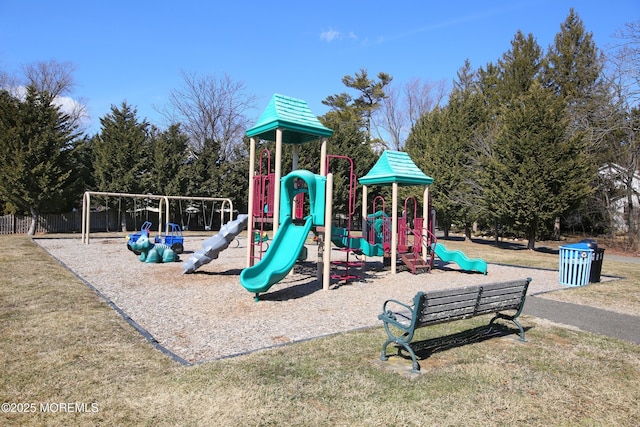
(430, 308)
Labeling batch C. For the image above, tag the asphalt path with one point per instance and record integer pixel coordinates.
(596, 320)
(590, 319)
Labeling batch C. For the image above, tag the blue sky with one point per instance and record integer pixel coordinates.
(135, 50)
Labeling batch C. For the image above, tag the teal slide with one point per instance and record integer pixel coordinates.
(340, 237)
(468, 264)
(279, 258)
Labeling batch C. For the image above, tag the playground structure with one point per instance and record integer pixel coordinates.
(281, 201)
(286, 121)
(153, 252)
(172, 237)
(133, 237)
(465, 263)
(396, 168)
(212, 247)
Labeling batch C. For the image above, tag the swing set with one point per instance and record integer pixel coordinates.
(163, 208)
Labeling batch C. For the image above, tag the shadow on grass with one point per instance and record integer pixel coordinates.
(425, 348)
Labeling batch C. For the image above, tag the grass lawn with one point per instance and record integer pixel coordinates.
(67, 358)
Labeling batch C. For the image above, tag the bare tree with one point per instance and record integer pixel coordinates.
(402, 108)
(618, 128)
(7, 81)
(55, 80)
(210, 109)
(51, 77)
(626, 60)
(422, 97)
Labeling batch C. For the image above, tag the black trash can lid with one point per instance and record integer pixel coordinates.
(592, 244)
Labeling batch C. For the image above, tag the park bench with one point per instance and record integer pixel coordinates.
(429, 308)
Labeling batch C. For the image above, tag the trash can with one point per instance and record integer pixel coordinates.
(575, 264)
(596, 261)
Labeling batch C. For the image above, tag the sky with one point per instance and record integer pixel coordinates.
(136, 50)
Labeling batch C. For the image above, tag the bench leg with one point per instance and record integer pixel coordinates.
(511, 318)
(384, 357)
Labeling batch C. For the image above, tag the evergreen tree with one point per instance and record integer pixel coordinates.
(121, 152)
(35, 146)
(121, 155)
(371, 93)
(234, 178)
(430, 148)
(169, 151)
(440, 144)
(573, 63)
(347, 140)
(573, 70)
(519, 68)
(205, 171)
(532, 167)
(534, 173)
(350, 120)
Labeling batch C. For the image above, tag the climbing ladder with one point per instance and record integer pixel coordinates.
(345, 270)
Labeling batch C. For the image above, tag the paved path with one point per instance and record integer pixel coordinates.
(596, 320)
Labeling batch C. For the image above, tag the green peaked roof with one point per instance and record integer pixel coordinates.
(395, 166)
(291, 115)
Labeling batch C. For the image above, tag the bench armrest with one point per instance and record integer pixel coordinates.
(392, 302)
(397, 313)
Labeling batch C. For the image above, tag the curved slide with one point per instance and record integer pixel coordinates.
(212, 247)
(468, 264)
(279, 258)
(340, 237)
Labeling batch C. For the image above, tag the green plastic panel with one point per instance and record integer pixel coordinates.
(395, 166)
(294, 117)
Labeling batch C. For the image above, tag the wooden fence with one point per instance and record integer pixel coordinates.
(58, 223)
(102, 221)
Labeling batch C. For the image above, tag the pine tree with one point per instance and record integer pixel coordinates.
(573, 70)
(121, 155)
(519, 67)
(441, 144)
(535, 173)
(35, 145)
(169, 151)
(350, 120)
(573, 63)
(371, 93)
(533, 169)
(347, 140)
(121, 152)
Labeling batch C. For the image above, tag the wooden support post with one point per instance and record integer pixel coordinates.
(394, 228)
(323, 157)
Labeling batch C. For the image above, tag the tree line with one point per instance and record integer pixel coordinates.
(515, 147)
(521, 143)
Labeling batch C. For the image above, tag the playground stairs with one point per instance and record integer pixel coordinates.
(415, 262)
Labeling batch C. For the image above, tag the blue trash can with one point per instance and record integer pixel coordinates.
(575, 264)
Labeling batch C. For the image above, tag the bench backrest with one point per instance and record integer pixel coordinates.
(462, 303)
